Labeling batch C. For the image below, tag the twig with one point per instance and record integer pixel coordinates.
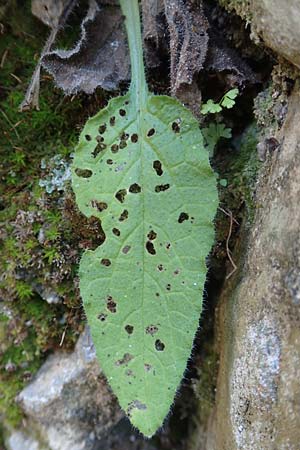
(63, 336)
(10, 123)
(232, 219)
(5, 53)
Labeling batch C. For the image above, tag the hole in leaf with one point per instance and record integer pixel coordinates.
(151, 329)
(168, 287)
(157, 294)
(176, 127)
(125, 360)
(160, 267)
(102, 128)
(83, 173)
(176, 272)
(162, 187)
(135, 188)
(114, 148)
(134, 138)
(105, 262)
(150, 248)
(152, 235)
(182, 217)
(102, 317)
(120, 195)
(168, 245)
(151, 132)
(109, 161)
(101, 206)
(123, 144)
(135, 404)
(124, 136)
(111, 304)
(129, 329)
(147, 367)
(126, 249)
(98, 149)
(88, 137)
(112, 121)
(122, 112)
(158, 168)
(123, 216)
(159, 345)
(100, 139)
(116, 231)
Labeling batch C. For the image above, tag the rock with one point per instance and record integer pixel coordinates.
(18, 440)
(69, 401)
(258, 389)
(277, 22)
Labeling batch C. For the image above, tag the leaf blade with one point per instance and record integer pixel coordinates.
(142, 287)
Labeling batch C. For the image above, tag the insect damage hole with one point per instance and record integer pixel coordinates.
(83, 173)
(98, 149)
(105, 262)
(111, 304)
(102, 128)
(122, 112)
(102, 317)
(123, 216)
(120, 195)
(150, 248)
(151, 235)
(114, 148)
(176, 127)
(158, 168)
(134, 138)
(159, 345)
(151, 329)
(135, 188)
(88, 137)
(116, 231)
(126, 249)
(151, 132)
(101, 206)
(112, 121)
(182, 217)
(162, 187)
(129, 329)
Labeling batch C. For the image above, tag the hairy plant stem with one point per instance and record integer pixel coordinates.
(138, 86)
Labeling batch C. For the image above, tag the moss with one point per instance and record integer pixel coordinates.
(40, 236)
(241, 7)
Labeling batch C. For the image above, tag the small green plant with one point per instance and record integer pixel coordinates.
(141, 168)
(227, 101)
(217, 130)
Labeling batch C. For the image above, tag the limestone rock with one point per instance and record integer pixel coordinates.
(69, 400)
(258, 390)
(18, 440)
(278, 23)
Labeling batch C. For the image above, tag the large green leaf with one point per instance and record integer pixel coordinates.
(141, 168)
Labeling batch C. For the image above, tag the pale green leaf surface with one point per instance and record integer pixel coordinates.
(228, 101)
(211, 107)
(142, 302)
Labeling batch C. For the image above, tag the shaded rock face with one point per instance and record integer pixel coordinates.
(258, 391)
(277, 22)
(69, 402)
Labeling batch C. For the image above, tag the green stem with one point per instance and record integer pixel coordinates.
(138, 85)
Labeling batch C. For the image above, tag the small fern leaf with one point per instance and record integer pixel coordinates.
(142, 169)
